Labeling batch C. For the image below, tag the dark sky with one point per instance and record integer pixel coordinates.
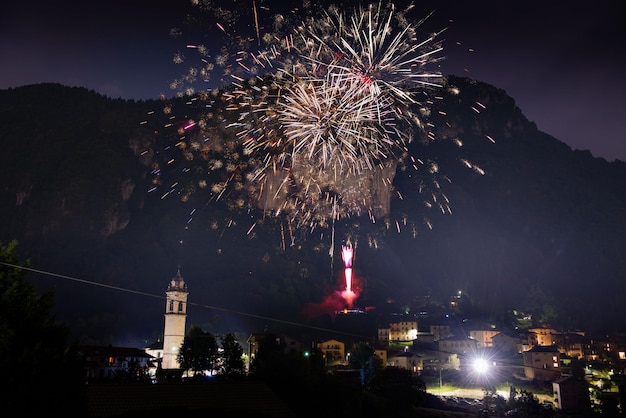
(562, 64)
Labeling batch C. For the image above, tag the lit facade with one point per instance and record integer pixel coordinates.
(406, 360)
(175, 321)
(484, 338)
(398, 331)
(542, 336)
(403, 331)
(334, 351)
(107, 362)
(384, 334)
(571, 344)
(542, 363)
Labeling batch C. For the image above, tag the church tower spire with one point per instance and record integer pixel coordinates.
(175, 318)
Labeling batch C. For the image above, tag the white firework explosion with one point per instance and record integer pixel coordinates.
(326, 108)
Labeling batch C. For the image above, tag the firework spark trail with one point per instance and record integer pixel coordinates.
(347, 255)
(256, 22)
(335, 125)
(324, 111)
(350, 119)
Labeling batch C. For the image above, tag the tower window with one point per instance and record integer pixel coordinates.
(171, 309)
(180, 306)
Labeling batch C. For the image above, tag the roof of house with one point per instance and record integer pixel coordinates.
(543, 349)
(157, 345)
(457, 338)
(110, 351)
(569, 380)
(330, 342)
(117, 400)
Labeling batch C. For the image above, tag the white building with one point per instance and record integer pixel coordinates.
(542, 363)
(406, 360)
(109, 363)
(399, 331)
(484, 337)
(175, 319)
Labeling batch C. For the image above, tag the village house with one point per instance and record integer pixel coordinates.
(542, 363)
(511, 342)
(116, 363)
(571, 395)
(334, 352)
(406, 360)
(484, 337)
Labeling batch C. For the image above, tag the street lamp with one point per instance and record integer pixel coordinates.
(480, 365)
(483, 369)
(440, 380)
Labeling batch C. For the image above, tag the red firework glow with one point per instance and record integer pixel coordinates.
(347, 254)
(339, 301)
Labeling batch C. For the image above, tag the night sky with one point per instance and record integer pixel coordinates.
(562, 65)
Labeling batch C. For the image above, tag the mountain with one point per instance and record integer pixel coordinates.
(107, 207)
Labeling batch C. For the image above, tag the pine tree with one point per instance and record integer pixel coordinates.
(233, 365)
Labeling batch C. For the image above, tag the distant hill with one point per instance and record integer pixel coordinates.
(534, 225)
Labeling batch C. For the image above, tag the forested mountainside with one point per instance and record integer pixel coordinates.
(96, 190)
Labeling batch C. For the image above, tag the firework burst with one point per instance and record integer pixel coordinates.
(319, 110)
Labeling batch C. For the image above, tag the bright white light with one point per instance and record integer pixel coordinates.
(481, 365)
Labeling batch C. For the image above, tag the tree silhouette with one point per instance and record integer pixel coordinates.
(363, 357)
(232, 365)
(198, 352)
(33, 345)
(525, 404)
(398, 389)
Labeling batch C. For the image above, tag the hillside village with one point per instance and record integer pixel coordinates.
(531, 229)
(568, 363)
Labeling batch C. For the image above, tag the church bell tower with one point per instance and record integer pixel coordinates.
(175, 318)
